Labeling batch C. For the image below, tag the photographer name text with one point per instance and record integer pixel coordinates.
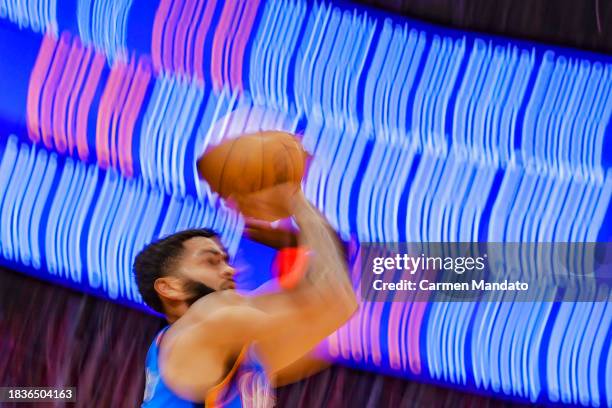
(458, 265)
(426, 285)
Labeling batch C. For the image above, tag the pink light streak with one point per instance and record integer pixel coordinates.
(180, 38)
(117, 107)
(168, 37)
(239, 44)
(37, 79)
(61, 118)
(89, 90)
(190, 39)
(217, 59)
(109, 96)
(50, 88)
(74, 99)
(201, 38)
(157, 33)
(133, 105)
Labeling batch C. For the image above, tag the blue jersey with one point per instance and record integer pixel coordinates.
(246, 385)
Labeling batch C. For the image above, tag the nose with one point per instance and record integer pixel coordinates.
(228, 272)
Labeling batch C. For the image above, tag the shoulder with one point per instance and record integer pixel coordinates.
(217, 309)
(199, 322)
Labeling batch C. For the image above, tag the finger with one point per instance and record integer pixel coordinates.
(254, 223)
(252, 233)
(232, 202)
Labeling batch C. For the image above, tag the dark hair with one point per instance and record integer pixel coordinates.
(156, 260)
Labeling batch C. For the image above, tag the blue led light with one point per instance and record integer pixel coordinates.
(13, 218)
(78, 226)
(94, 271)
(128, 237)
(110, 276)
(38, 15)
(9, 197)
(104, 24)
(29, 200)
(116, 232)
(68, 216)
(357, 145)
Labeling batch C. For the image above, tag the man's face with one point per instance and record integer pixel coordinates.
(203, 266)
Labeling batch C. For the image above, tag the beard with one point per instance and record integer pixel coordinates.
(197, 290)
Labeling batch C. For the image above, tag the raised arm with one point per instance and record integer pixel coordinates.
(325, 292)
(327, 274)
(283, 326)
(321, 303)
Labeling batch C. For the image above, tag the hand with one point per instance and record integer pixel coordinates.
(274, 237)
(270, 204)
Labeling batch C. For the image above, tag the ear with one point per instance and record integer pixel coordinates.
(169, 287)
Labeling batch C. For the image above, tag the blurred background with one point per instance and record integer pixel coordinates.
(427, 121)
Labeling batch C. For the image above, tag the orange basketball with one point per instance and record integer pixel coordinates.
(253, 162)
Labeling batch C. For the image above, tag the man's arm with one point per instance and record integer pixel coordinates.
(279, 237)
(287, 325)
(326, 290)
(284, 326)
(329, 288)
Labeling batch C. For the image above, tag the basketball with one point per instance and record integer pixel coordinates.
(253, 162)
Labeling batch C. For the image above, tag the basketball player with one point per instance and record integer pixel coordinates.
(225, 349)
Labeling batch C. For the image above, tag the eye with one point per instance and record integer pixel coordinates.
(214, 261)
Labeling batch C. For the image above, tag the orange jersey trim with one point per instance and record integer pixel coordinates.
(212, 396)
